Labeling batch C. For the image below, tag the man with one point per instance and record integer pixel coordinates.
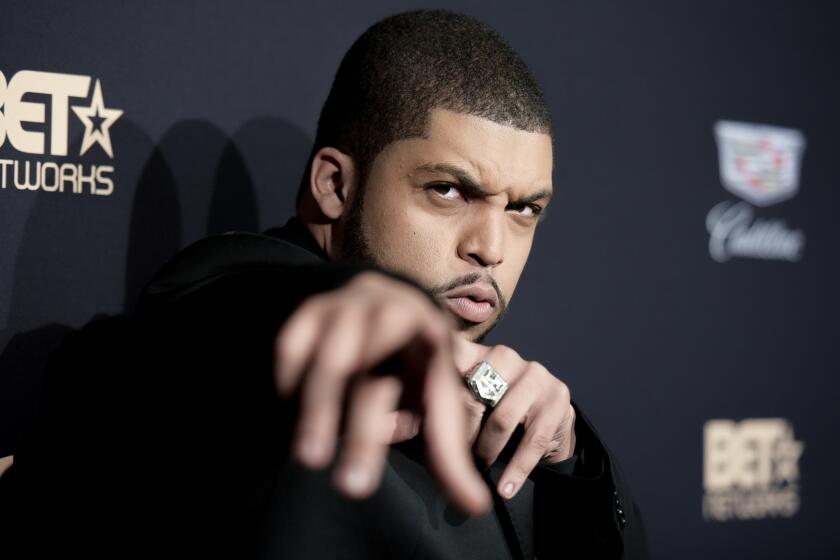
(431, 167)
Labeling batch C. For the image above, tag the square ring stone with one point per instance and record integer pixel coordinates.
(487, 384)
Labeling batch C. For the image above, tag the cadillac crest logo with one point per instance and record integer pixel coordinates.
(760, 164)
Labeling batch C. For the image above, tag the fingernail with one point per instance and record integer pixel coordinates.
(507, 491)
(355, 479)
(415, 425)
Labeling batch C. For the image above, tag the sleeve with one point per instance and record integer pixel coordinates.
(214, 353)
(163, 433)
(586, 496)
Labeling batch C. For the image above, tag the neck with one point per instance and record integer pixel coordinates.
(321, 233)
(318, 225)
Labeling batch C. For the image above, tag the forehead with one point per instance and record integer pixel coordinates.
(500, 157)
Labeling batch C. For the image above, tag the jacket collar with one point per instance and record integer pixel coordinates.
(213, 257)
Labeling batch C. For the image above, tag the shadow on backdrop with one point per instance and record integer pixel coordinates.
(67, 270)
(196, 181)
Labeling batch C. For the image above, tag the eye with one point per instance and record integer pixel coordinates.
(446, 191)
(527, 210)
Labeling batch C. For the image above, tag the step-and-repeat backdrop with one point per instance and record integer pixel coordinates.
(684, 284)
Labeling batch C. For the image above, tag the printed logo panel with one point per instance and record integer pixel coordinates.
(750, 469)
(25, 121)
(761, 165)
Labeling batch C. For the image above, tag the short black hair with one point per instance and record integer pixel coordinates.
(405, 65)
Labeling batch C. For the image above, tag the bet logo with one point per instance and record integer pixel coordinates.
(35, 117)
(16, 111)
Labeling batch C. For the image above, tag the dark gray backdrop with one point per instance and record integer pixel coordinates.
(621, 298)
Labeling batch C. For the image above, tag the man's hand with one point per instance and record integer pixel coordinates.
(326, 351)
(534, 398)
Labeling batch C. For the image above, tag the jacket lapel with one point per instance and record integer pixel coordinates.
(515, 515)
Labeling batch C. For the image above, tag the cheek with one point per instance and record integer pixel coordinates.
(408, 241)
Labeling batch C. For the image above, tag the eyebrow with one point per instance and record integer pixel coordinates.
(474, 189)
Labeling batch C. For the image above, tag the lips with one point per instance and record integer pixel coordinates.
(475, 303)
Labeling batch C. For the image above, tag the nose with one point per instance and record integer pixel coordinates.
(483, 239)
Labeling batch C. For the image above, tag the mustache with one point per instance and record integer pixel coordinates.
(469, 279)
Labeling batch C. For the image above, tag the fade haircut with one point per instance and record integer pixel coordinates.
(408, 64)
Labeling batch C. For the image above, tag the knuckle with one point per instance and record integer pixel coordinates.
(521, 470)
(558, 391)
(436, 326)
(407, 296)
(313, 304)
(304, 314)
(385, 312)
(534, 370)
(564, 392)
(366, 278)
(399, 302)
(537, 367)
(501, 420)
(330, 364)
(540, 442)
(428, 315)
(506, 353)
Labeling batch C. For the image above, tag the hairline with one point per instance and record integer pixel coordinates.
(364, 170)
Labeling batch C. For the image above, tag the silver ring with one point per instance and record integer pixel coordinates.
(487, 385)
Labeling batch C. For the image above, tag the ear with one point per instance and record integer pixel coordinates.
(332, 177)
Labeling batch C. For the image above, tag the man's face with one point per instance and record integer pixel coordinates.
(456, 211)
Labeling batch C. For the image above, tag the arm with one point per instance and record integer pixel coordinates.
(157, 431)
(174, 418)
(327, 348)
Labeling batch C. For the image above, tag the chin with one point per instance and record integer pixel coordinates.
(476, 332)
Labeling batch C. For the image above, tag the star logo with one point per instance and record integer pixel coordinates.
(99, 132)
(787, 454)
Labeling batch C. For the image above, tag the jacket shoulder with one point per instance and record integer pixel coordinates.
(214, 257)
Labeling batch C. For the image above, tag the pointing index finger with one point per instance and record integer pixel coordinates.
(445, 434)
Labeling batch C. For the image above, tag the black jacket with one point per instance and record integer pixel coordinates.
(162, 434)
